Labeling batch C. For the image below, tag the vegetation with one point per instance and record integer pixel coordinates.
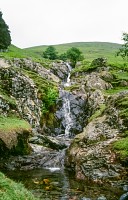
(90, 50)
(5, 38)
(123, 51)
(8, 124)
(74, 55)
(121, 147)
(47, 92)
(10, 190)
(50, 53)
(98, 112)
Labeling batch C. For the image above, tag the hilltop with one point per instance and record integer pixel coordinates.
(91, 50)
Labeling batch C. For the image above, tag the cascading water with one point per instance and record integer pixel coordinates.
(67, 121)
(67, 83)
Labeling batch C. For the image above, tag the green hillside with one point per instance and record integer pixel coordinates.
(15, 52)
(91, 50)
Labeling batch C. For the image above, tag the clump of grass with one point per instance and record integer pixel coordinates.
(122, 105)
(8, 124)
(98, 112)
(121, 147)
(84, 67)
(116, 90)
(10, 190)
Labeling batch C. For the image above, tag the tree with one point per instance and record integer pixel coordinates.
(74, 55)
(63, 56)
(123, 51)
(5, 38)
(50, 53)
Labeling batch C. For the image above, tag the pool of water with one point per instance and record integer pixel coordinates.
(56, 184)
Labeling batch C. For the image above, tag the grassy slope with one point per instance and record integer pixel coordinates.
(9, 190)
(91, 50)
(15, 52)
(8, 124)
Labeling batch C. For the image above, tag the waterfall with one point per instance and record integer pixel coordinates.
(67, 83)
(66, 105)
(67, 114)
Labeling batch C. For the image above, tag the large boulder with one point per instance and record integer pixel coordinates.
(14, 140)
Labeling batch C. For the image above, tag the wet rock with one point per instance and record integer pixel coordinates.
(102, 198)
(40, 157)
(48, 141)
(71, 109)
(124, 196)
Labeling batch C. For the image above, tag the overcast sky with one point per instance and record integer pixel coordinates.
(45, 22)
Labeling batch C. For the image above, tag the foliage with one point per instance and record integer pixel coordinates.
(50, 53)
(49, 100)
(123, 51)
(5, 38)
(99, 62)
(10, 190)
(74, 55)
(63, 56)
(47, 90)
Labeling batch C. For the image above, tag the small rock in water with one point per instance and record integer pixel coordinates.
(124, 196)
(102, 198)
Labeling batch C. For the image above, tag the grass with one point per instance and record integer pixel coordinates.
(116, 90)
(10, 190)
(98, 112)
(91, 50)
(11, 101)
(121, 147)
(8, 124)
(15, 52)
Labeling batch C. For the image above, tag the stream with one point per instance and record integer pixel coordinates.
(43, 172)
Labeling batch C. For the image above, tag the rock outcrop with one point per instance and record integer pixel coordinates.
(91, 154)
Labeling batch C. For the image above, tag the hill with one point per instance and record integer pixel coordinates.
(91, 50)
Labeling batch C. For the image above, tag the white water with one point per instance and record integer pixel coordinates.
(66, 105)
(67, 83)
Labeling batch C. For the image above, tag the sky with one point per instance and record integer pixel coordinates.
(50, 22)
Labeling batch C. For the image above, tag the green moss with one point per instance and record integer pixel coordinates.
(11, 101)
(84, 67)
(47, 90)
(10, 123)
(98, 112)
(122, 105)
(116, 90)
(22, 148)
(10, 190)
(72, 87)
(121, 147)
